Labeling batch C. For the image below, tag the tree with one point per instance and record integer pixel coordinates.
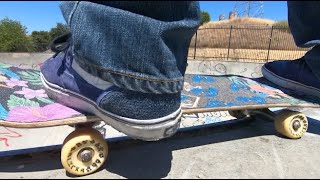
(58, 30)
(41, 40)
(13, 37)
(205, 17)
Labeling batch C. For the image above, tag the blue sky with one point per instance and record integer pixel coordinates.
(43, 15)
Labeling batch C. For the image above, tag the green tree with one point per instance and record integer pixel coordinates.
(205, 17)
(58, 30)
(13, 37)
(41, 40)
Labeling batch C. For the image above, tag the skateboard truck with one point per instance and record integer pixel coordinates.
(291, 124)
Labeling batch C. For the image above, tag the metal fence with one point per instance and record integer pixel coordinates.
(244, 43)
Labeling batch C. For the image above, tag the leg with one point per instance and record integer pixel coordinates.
(125, 63)
(301, 15)
(141, 46)
(303, 74)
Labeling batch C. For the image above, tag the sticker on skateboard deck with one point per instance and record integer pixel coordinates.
(24, 100)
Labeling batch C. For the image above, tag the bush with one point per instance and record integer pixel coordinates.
(205, 17)
(58, 30)
(13, 37)
(41, 40)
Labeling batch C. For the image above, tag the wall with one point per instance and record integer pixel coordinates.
(198, 66)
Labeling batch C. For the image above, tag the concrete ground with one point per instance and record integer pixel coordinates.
(250, 149)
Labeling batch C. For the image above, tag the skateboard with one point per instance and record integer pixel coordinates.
(24, 103)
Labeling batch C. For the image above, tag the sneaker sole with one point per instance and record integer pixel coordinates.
(148, 130)
(289, 84)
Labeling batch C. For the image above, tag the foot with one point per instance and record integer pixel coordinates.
(294, 75)
(139, 115)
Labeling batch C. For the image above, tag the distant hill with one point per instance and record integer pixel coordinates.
(239, 21)
(250, 40)
(246, 33)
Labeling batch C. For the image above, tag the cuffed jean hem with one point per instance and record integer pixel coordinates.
(134, 82)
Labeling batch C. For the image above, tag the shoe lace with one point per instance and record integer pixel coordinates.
(60, 43)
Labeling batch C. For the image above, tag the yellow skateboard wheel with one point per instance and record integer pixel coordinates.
(291, 124)
(84, 152)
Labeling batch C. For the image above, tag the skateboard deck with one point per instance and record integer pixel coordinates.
(24, 102)
(205, 93)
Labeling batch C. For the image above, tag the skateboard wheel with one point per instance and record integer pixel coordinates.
(237, 114)
(291, 124)
(84, 152)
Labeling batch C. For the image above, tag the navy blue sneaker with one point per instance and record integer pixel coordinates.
(139, 115)
(294, 75)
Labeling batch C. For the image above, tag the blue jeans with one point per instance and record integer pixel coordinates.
(140, 46)
(303, 19)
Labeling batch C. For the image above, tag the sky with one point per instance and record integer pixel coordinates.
(43, 15)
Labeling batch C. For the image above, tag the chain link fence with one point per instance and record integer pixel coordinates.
(244, 43)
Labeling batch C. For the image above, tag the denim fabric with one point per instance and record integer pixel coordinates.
(138, 105)
(140, 46)
(302, 18)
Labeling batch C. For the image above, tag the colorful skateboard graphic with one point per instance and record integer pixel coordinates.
(25, 104)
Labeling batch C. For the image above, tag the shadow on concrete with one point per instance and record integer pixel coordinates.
(138, 159)
(314, 126)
